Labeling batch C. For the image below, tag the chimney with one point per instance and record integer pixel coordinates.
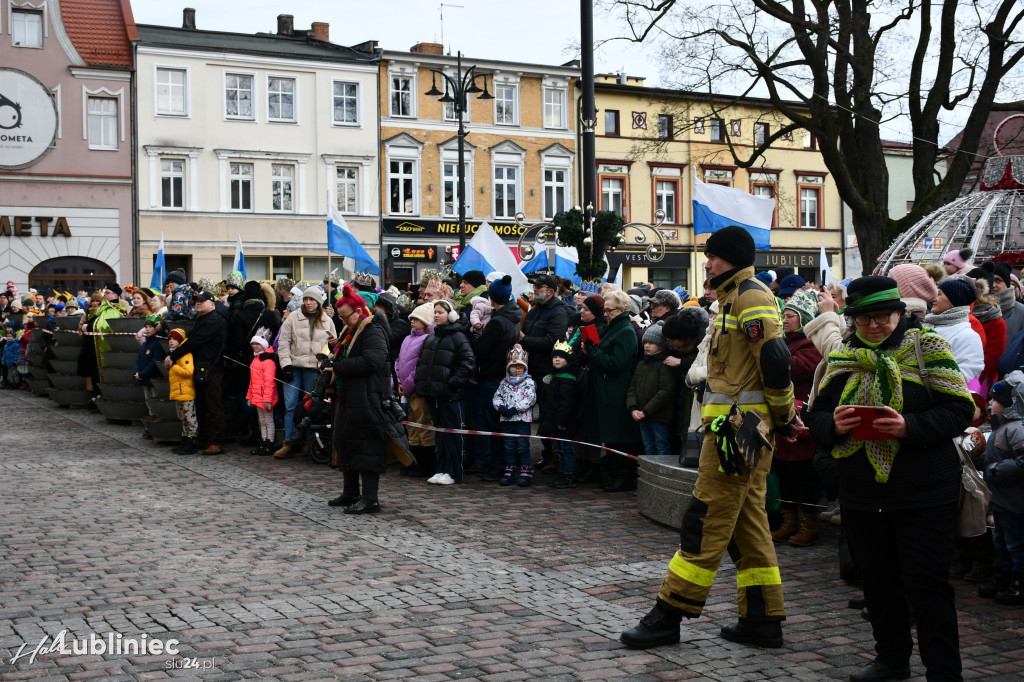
(622, 78)
(320, 30)
(285, 25)
(188, 18)
(427, 48)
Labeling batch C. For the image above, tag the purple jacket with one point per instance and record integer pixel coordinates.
(408, 358)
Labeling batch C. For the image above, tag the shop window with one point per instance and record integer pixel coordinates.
(281, 99)
(70, 274)
(611, 122)
(282, 185)
(313, 269)
(668, 278)
(284, 266)
(346, 103)
(27, 27)
(172, 183)
(347, 189)
(256, 267)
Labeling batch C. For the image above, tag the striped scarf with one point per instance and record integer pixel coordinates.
(876, 378)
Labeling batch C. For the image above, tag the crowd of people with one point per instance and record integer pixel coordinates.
(608, 374)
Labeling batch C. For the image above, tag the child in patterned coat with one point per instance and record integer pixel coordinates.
(514, 401)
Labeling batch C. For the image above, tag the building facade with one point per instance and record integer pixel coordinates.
(249, 136)
(520, 151)
(650, 144)
(66, 213)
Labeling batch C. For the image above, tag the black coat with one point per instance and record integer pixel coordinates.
(205, 342)
(496, 339)
(446, 363)
(400, 328)
(362, 376)
(560, 403)
(926, 470)
(545, 324)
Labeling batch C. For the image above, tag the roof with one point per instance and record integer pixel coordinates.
(568, 69)
(102, 31)
(667, 93)
(264, 44)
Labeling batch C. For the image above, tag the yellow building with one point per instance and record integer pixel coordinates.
(651, 142)
(520, 151)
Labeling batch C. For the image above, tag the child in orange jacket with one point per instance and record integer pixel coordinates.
(262, 394)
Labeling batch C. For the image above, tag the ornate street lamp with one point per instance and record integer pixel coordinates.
(455, 91)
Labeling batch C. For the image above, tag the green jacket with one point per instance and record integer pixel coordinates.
(106, 311)
(654, 389)
(609, 371)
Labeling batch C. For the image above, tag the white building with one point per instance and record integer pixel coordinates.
(251, 136)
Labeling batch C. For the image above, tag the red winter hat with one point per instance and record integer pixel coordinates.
(914, 281)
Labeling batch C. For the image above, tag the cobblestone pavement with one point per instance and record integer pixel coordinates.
(240, 559)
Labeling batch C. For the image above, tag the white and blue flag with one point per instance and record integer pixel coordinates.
(239, 263)
(718, 206)
(342, 242)
(159, 268)
(487, 253)
(566, 260)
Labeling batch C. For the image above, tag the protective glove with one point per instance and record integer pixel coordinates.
(725, 446)
(749, 436)
(288, 373)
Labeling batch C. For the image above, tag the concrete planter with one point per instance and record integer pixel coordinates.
(40, 386)
(68, 367)
(39, 371)
(66, 352)
(67, 383)
(163, 430)
(121, 411)
(162, 387)
(664, 489)
(163, 408)
(127, 324)
(69, 323)
(119, 359)
(122, 393)
(123, 344)
(70, 398)
(118, 375)
(68, 339)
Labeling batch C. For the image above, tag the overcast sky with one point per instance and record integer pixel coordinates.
(537, 31)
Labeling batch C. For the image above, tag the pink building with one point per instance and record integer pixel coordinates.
(67, 217)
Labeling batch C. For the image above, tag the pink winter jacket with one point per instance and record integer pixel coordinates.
(262, 386)
(408, 358)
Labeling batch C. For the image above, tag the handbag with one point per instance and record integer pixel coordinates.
(689, 455)
(972, 508)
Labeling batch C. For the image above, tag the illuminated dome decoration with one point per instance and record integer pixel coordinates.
(990, 221)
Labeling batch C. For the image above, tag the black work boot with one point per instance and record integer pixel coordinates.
(999, 582)
(756, 634)
(660, 626)
(877, 671)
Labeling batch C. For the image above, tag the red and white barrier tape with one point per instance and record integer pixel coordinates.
(470, 432)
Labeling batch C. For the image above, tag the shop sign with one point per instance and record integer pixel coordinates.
(780, 259)
(639, 259)
(412, 227)
(423, 254)
(24, 226)
(28, 119)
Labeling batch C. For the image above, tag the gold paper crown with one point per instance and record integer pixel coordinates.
(562, 347)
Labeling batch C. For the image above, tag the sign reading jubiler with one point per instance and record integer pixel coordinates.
(28, 119)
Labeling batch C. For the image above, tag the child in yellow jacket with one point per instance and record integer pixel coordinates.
(183, 392)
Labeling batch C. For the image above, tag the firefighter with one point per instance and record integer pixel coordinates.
(747, 401)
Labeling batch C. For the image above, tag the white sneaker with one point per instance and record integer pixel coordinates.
(435, 478)
(831, 510)
(445, 479)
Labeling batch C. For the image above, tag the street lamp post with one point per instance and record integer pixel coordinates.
(455, 91)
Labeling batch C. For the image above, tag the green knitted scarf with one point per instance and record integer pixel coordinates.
(876, 378)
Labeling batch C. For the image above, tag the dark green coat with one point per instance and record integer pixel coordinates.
(604, 418)
(654, 388)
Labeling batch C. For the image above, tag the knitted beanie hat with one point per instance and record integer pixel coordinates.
(595, 304)
(667, 298)
(764, 277)
(424, 313)
(1000, 270)
(500, 290)
(958, 259)
(733, 244)
(474, 277)
(959, 290)
(653, 334)
(914, 282)
(314, 292)
(177, 334)
(176, 276)
(986, 276)
(261, 341)
(790, 284)
(805, 304)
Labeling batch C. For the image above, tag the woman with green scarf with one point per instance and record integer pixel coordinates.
(900, 493)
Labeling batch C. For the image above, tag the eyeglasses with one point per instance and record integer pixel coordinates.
(611, 310)
(878, 318)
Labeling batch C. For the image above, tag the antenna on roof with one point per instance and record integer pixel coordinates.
(443, 5)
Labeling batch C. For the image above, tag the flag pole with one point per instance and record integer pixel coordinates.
(327, 291)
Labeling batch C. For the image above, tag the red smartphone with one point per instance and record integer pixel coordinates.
(866, 430)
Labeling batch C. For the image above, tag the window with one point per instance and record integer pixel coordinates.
(238, 96)
(665, 126)
(554, 108)
(401, 96)
(809, 200)
(346, 103)
(347, 189)
(172, 183)
(717, 130)
(505, 191)
(611, 122)
(282, 183)
(256, 267)
(665, 199)
(102, 123)
(400, 187)
(766, 190)
(27, 28)
(668, 278)
(171, 92)
(241, 186)
(556, 191)
(450, 189)
(810, 141)
(762, 131)
(506, 111)
(281, 99)
(611, 195)
(449, 111)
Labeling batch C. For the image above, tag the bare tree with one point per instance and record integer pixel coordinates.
(843, 70)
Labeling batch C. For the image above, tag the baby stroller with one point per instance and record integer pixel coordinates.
(312, 417)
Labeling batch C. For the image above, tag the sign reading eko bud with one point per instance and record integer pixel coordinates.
(28, 119)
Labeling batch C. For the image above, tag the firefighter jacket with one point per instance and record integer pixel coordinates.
(748, 360)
